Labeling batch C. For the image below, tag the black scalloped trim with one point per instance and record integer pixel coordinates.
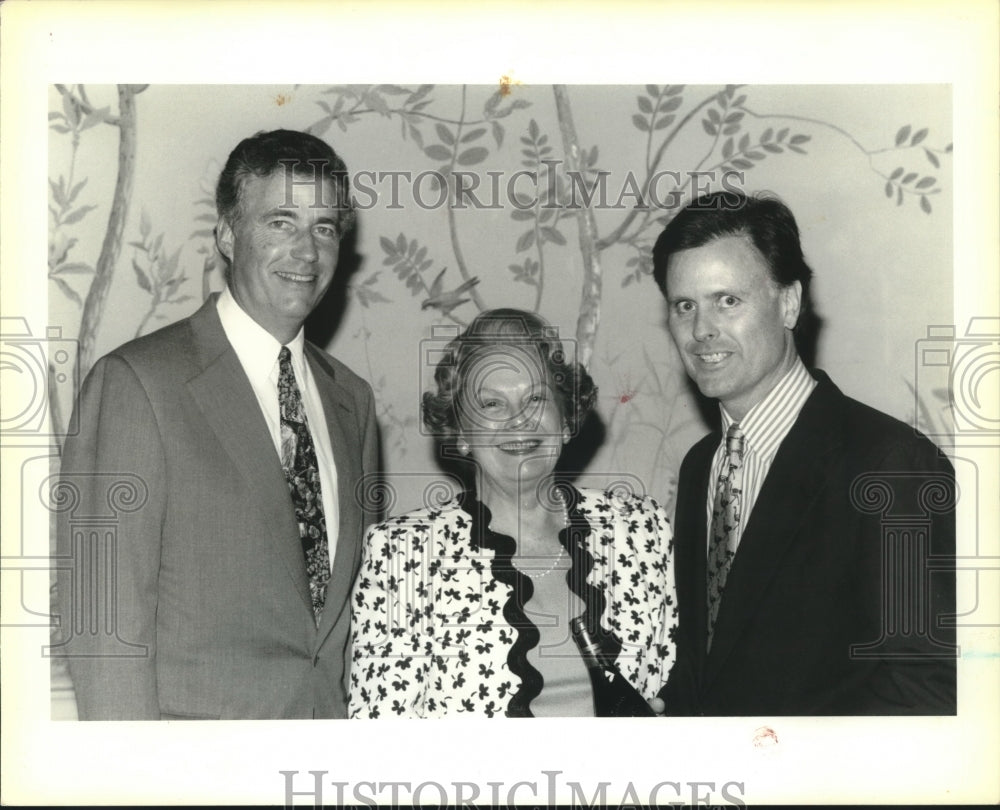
(574, 538)
(503, 570)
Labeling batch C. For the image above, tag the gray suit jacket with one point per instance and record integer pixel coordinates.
(182, 585)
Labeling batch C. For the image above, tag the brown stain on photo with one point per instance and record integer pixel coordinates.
(281, 99)
(506, 82)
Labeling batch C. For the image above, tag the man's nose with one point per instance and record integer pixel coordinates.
(705, 327)
(304, 248)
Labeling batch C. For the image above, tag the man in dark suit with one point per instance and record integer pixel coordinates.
(224, 452)
(815, 536)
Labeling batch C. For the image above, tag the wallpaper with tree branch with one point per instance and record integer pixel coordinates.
(542, 197)
(546, 198)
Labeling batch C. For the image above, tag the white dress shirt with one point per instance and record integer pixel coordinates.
(257, 350)
(764, 428)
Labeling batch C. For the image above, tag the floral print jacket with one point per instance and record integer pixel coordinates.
(438, 618)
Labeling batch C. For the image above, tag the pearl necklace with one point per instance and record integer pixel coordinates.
(562, 548)
(550, 569)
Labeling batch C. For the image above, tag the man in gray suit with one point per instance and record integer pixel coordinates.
(220, 589)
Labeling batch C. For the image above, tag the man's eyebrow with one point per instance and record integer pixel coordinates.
(281, 211)
(294, 213)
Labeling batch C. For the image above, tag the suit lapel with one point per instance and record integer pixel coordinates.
(344, 441)
(797, 476)
(691, 549)
(229, 405)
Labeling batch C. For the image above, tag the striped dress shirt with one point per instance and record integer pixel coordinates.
(764, 428)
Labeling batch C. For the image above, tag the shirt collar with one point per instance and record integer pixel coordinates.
(769, 421)
(256, 348)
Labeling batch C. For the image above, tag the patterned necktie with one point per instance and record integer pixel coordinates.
(298, 459)
(726, 514)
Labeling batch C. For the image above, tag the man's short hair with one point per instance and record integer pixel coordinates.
(265, 153)
(764, 219)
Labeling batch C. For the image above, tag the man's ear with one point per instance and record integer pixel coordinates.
(791, 301)
(224, 238)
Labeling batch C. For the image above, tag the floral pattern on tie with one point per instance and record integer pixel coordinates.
(298, 460)
(726, 514)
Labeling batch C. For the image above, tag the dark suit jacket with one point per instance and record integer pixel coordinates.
(840, 594)
(182, 583)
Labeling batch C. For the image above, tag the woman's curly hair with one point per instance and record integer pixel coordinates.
(504, 328)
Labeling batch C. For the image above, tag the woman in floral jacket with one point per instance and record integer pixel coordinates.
(464, 609)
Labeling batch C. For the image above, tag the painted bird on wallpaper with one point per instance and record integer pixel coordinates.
(447, 301)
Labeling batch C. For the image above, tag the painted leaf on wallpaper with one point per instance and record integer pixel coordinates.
(73, 268)
(78, 214)
(437, 152)
(68, 291)
(470, 157)
(141, 278)
(527, 272)
(365, 293)
(442, 129)
(445, 134)
(553, 235)
(670, 104)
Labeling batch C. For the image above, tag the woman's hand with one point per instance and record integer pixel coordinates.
(658, 706)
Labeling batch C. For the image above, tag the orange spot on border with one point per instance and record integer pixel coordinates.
(765, 737)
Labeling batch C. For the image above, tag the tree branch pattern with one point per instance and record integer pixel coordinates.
(458, 131)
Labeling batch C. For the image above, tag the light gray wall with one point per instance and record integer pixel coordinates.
(883, 270)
